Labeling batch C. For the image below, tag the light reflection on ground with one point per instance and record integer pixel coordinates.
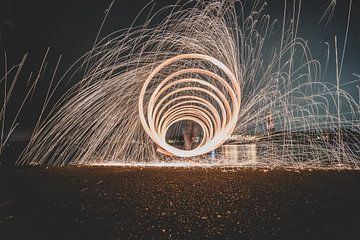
(232, 156)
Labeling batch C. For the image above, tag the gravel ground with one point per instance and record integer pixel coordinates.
(178, 203)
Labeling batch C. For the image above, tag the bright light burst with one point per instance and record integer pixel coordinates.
(216, 64)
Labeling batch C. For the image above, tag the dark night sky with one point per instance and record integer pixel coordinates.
(70, 27)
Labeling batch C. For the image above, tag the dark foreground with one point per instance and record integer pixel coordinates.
(178, 203)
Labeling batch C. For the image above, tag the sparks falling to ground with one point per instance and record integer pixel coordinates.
(213, 64)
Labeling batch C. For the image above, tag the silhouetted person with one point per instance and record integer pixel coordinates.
(191, 133)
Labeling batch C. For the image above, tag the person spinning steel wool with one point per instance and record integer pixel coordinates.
(191, 133)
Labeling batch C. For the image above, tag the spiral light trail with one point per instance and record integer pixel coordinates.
(166, 108)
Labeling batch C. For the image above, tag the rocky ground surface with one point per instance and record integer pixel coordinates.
(178, 203)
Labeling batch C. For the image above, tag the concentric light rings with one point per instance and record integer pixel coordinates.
(166, 107)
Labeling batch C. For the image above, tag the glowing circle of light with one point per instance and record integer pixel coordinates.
(165, 106)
